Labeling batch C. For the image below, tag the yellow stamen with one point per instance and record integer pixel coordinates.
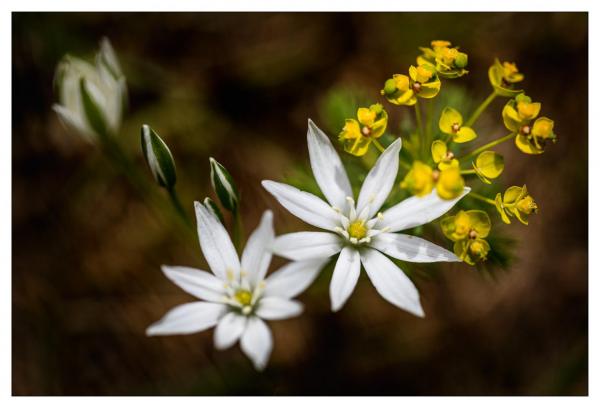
(357, 230)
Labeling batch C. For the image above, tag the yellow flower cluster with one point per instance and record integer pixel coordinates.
(439, 168)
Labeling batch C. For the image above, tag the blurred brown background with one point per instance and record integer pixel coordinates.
(240, 87)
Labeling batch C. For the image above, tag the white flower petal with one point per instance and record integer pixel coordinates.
(380, 180)
(293, 278)
(415, 211)
(188, 318)
(307, 245)
(216, 244)
(308, 207)
(73, 121)
(257, 253)
(327, 167)
(257, 342)
(203, 285)
(391, 283)
(345, 276)
(229, 330)
(411, 249)
(276, 308)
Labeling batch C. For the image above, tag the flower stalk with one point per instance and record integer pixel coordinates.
(487, 146)
(481, 108)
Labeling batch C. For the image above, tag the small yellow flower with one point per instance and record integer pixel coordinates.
(503, 77)
(448, 61)
(451, 124)
(468, 230)
(443, 157)
(516, 202)
(422, 81)
(450, 183)
(421, 179)
(357, 135)
(518, 115)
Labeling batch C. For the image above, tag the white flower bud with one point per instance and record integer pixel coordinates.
(91, 97)
(159, 158)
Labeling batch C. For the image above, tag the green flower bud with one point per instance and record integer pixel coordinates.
(159, 158)
(389, 87)
(223, 184)
(461, 60)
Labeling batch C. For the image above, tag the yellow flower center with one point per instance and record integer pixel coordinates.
(455, 127)
(527, 205)
(526, 130)
(510, 69)
(423, 74)
(357, 230)
(244, 297)
(526, 110)
(366, 130)
(477, 248)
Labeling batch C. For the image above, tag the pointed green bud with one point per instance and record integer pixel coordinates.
(224, 186)
(159, 158)
(461, 60)
(214, 208)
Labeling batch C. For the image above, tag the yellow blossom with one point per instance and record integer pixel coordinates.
(357, 135)
(419, 180)
(516, 202)
(503, 77)
(443, 157)
(422, 81)
(468, 230)
(448, 61)
(451, 124)
(518, 115)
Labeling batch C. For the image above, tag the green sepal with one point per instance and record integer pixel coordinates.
(93, 113)
(214, 208)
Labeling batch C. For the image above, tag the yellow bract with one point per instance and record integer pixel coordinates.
(503, 76)
(419, 180)
(516, 202)
(518, 115)
(488, 165)
(422, 81)
(450, 183)
(467, 229)
(451, 124)
(357, 135)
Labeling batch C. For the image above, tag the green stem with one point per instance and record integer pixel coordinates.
(468, 171)
(378, 146)
(487, 146)
(481, 109)
(178, 207)
(420, 131)
(482, 198)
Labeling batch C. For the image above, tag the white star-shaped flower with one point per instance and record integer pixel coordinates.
(236, 297)
(356, 230)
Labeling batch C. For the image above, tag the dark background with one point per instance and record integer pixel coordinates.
(240, 87)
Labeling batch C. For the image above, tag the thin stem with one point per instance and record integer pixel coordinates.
(487, 146)
(419, 129)
(480, 109)
(178, 207)
(472, 171)
(378, 146)
(482, 198)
